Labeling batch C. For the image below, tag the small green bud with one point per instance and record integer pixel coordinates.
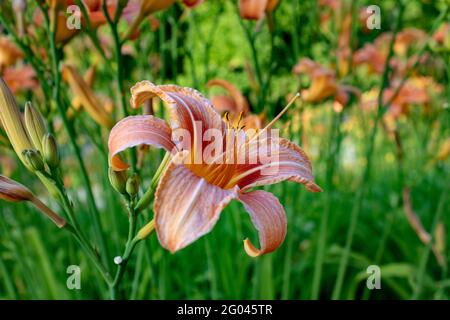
(51, 152)
(133, 185)
(118, 180)
(34, 160)
(35, 125)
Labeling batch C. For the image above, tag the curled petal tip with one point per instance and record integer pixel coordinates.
(250, 249)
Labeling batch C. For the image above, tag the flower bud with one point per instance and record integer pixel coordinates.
(35, 125)
(12, 122)
(13, 191)
(133, 185)
(146, 230)
(118, 180)
(34, 160)
(19, 7)
(50, 151)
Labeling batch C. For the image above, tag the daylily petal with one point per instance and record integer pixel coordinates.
(224, 103)
(187, 105)
(186, 207)
(9, 53)
(291, 164)
(252, 9)
(239, 99)
(271, 5)
(269, 218)
(189, 109)
(137, 130)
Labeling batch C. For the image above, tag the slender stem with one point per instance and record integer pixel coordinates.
(129, 247)
(119, 75)
(91, 32)
(90, 253)
(426, 254)
(147, 198)
(251, 41)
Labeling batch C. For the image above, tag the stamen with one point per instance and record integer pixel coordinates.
(297, 95)
(241, 115)
(226, 117)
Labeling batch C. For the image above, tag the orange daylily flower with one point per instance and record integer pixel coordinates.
(86, 96)
(415, 91)
(94, 10)
(323, 83)
(235, 106)
(255, 9)
(20, 78)
(375, 54)
(203, 190)
(406, 38)
(372, 56)
(9, 53)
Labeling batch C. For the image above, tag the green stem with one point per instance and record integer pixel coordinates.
(147, 198)
(119, 75)
(426, 254)
(129, 247)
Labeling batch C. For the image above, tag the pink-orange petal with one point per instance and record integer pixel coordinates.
(189, 110)
(292, 164)
(186, 207)
(240, 101)
(269, 218)
(137, 130)
(252, 9)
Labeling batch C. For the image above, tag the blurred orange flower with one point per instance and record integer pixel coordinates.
(20, 78)
(415, 91)
(255, 9)
(323, 83)
(86, 97)
(64, 34)
(235, 105)
(9, 53)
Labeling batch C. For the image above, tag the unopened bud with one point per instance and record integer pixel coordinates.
(133, 185)
(11, 120)
(13, 191)
(118, 180)
(51, 152)
(146, 230)
(34, 160)
(19, 7)
(35, 126)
